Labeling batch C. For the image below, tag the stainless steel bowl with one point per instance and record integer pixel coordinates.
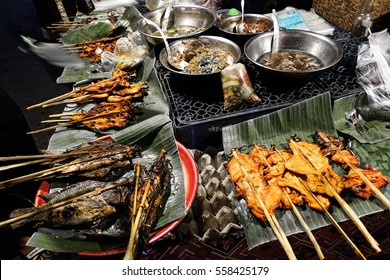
(232, 51)
(196, 19)
(320, 46)
(261, 22)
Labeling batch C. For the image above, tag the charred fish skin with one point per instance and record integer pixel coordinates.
(79, 212)
(71, 191)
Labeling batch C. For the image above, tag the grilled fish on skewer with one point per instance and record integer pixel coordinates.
(94, 159)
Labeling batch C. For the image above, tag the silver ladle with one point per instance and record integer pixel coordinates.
(275, 38)
(180, 64)
(166, 17)
(239, 27)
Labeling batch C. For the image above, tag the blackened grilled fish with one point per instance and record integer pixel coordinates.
(80, 212)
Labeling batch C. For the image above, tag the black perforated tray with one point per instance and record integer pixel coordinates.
(197, 104)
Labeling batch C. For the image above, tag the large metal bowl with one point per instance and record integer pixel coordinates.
(320, 46)
(228, 24)
(223, 45)
(197, 19)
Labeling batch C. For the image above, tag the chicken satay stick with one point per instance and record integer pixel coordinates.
(295, 210)
(115, 76)
(280, 235)
(347, 209)
(59, 204)
(73, 122)
(333, 221)
(368, 183)
(328, 215)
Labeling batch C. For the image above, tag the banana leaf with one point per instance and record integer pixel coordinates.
(364, 131)
(302, 120)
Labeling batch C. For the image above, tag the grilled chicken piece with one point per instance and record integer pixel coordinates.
(293, 181)
(319, 163)
(105, 116)
(270, 194)
(354, 159)
(353, 181)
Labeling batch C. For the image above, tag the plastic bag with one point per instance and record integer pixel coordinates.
(372, 69)
(237, 87)
(130, 50)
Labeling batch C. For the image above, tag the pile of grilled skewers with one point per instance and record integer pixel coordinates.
(125, 207)
(92, 50)
(277, 178)
(115, 98)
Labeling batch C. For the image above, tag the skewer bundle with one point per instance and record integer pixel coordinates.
(280, 178)
(90, 160)
(92, 50)
(115, 97)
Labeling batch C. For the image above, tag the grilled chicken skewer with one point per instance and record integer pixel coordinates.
(328, 215)
(104, 86)
(309, 158)
(295, 210)
(254, 188)
(364, 178)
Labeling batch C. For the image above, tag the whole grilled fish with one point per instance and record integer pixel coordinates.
(80, 212)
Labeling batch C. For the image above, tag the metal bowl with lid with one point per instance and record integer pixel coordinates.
(184, 21)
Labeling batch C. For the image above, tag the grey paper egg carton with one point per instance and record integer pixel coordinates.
(213, 213)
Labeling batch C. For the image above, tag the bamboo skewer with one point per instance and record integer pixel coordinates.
(64, 114)
(368, 183)
(59, 204)
(296, 212)
(272, 221)
(348, 210)
(66, 95)
(329, 216)
(130, 252)
(73, 122)
(16, 165)
(305, 226)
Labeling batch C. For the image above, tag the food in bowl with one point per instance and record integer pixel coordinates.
(201, 58)
(252, 24)
(184, 21)
(290, 60)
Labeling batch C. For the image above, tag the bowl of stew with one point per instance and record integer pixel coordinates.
(302, 55)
